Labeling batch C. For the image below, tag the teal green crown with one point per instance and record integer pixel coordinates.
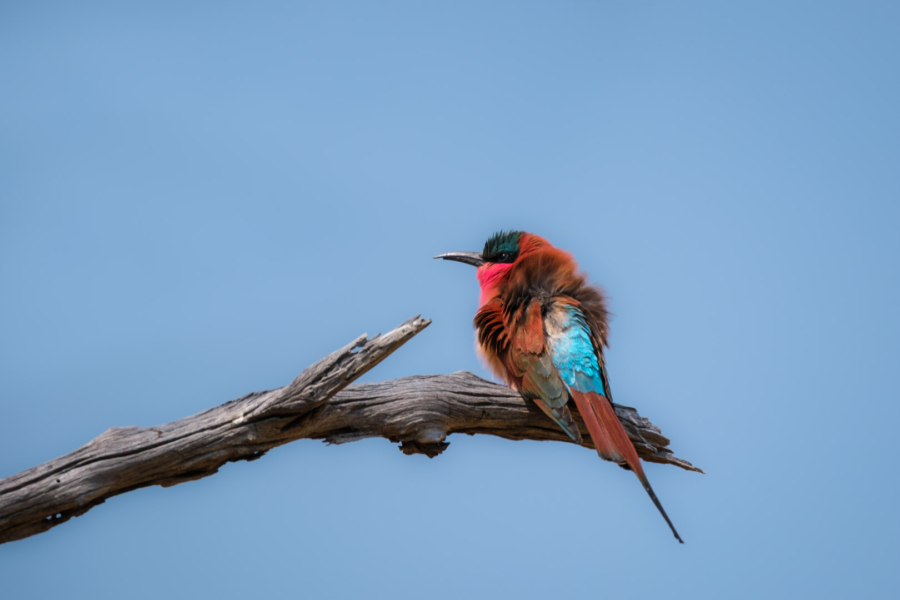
(503, 246)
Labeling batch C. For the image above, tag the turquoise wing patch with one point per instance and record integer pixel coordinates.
(569, 342)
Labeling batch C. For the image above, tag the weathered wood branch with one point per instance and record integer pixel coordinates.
(418, 412)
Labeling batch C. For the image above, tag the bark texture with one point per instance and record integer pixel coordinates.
(418, 412)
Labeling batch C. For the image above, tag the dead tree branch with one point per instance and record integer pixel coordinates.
(418, 412)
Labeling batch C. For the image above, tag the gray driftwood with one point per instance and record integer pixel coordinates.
(417, 412)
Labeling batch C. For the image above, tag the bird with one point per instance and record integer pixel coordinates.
(542, 329)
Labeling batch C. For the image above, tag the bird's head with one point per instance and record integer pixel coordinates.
(501, 252)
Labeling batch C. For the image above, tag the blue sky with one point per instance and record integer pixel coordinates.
(199, 200)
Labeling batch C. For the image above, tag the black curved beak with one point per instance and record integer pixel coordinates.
(470, 258)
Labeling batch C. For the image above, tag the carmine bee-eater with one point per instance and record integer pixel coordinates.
(541, 328)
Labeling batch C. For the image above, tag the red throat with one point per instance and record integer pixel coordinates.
(490, 277)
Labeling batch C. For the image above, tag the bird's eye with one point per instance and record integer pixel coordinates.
(504, 256)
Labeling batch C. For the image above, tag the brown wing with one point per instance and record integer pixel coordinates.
(515, 342)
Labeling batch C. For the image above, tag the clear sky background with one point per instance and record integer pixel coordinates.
(198, 200)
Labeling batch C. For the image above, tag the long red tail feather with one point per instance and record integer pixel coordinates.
(612, 441)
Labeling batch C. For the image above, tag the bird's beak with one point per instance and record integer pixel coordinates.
(470, 258)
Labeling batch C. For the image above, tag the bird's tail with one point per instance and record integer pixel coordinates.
(612, 441)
